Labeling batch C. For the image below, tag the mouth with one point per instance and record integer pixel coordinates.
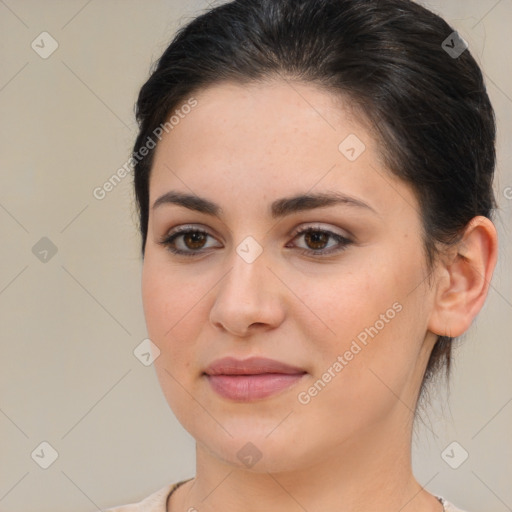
(251, 379)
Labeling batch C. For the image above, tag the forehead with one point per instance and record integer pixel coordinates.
(272, 114)
(271, 140)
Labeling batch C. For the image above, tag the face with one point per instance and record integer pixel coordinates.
(347, 302)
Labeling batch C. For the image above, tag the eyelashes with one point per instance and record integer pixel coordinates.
(190, 238)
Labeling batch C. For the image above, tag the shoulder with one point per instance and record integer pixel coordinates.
(449, 507)
(155, 502)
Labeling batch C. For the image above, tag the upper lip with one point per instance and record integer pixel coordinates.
(251, 366)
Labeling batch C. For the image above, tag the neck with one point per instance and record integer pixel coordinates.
(370, 473)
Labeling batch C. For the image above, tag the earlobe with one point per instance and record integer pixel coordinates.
(462, 292)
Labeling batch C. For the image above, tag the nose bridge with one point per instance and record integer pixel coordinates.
(249, 263)
(247, 293)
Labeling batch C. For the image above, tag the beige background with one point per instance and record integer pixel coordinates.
(69, 325)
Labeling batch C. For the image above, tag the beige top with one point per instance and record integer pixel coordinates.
(157, 502)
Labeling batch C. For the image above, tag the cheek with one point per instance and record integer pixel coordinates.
(171, 302)
(340, 306)
(373, 317)
(171, 305)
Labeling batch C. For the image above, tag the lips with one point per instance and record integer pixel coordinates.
(251, 366)
(251, 379)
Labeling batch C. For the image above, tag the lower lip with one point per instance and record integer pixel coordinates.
(245, 388)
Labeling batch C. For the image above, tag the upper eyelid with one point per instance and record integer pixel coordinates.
(296, 231)
(317, 227)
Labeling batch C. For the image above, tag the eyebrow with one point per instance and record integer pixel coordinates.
(278, 209)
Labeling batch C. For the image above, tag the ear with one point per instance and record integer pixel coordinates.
(464, 279)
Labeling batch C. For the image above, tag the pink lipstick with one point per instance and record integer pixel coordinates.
(251, 379)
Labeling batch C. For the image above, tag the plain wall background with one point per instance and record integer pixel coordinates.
(69, 325)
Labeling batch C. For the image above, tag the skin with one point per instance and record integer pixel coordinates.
(349, 448)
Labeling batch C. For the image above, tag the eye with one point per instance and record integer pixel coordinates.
(186, 240)
(317, 239)
(189, 241)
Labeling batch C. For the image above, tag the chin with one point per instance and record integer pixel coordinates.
(252, 450)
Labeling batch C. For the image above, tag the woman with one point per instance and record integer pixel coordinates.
(314, 185)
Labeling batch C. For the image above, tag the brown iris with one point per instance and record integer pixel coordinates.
(196, 239)
(316, 239)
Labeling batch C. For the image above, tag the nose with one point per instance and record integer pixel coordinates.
(249, 297)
